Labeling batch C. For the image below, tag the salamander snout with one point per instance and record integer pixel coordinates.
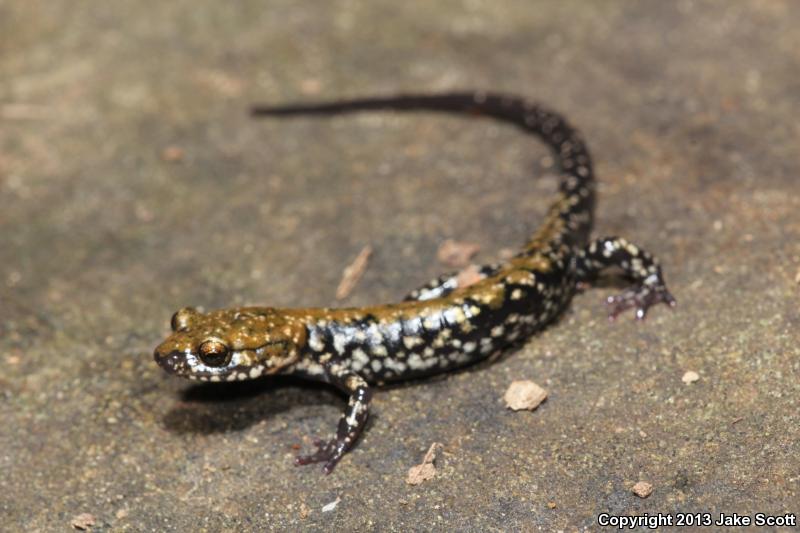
(172, 361)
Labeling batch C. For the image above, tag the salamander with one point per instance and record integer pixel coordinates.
(441, 326)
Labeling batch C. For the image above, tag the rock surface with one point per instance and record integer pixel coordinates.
(132, 182)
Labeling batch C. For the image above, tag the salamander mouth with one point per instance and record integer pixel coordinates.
(188, 365)
(174, 362)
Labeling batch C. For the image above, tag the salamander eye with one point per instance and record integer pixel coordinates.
(214, 353)
(182, 318)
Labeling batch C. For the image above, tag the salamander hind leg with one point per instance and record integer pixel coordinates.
(648, 289)
(351, 423)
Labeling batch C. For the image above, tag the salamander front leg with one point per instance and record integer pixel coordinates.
(350, 425)
(649, 287)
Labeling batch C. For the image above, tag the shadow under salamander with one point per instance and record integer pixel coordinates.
(222, 407)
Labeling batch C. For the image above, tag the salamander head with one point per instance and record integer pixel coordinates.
(231, 344)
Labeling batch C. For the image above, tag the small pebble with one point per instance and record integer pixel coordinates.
(690, 377)
(331, 506)
(524, 395)
(83, 521)
(642, 489)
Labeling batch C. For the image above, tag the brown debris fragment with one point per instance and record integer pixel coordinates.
(172, 154)
(83, 521)
(143, 213)
(642, 489)
(353, 272)
(524, 394)
(426, 470)
(457, 254)
(304, 510)
(506, 253)
(220, 81)
(311, 86)
(551, 505)
(468, 276)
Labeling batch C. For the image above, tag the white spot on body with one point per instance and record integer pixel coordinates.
(415, 362)
(379, 350)
(375, 334)
(339, 343)
(315, 342)
(395, 365)
(411, 341)
(359, 359)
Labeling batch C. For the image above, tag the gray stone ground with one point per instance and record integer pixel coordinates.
(690, 109)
